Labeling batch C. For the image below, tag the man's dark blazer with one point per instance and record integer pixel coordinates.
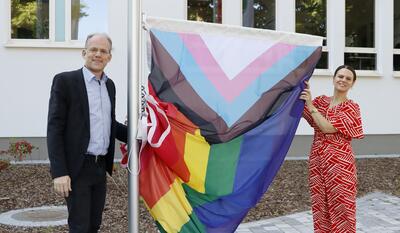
(68, 126)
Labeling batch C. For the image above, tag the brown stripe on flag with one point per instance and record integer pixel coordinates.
(171, 86)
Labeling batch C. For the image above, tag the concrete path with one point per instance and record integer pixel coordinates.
(43, 216)
(376, 212)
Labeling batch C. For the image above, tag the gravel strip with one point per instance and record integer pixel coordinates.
(24, 186)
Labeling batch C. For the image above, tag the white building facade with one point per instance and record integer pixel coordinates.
(363, 33)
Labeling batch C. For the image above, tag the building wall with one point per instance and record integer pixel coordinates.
(27, 71)
(374, 90)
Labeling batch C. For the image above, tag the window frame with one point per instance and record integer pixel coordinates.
(325, 48)
(45, 43)
(365, 50)
(396, 73)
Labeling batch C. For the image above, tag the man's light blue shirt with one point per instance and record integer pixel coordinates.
(99, 113)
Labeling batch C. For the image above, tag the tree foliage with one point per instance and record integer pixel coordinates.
(264, 14)
(23, 15)
(311, 17)
(200, 11)
(25, 22)
(30, 18)
(259, 13)
(360, 23)
(77, 10)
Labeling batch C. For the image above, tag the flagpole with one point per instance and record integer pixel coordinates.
(134, 72)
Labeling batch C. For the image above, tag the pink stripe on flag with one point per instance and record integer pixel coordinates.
(230, 89)
(205, 60)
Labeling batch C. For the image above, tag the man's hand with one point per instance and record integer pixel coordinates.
(62, 185)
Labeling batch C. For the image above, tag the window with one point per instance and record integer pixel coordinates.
(87, 16)
(29, 19)
(396, 33)
(360, 33)
(205, 10)
(56, 20)
(311, 19)
(259, 14)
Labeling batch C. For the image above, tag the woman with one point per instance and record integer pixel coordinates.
(332, 172)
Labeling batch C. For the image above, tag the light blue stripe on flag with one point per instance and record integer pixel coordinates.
(229, 111)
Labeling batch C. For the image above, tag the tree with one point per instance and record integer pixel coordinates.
(311, 17)
(76, 14)
(259, 14)
(23, 19)
(200, 11)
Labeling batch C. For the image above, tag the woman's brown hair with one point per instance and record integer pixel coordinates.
(346, 67)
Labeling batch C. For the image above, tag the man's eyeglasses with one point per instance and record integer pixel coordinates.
(94, 50)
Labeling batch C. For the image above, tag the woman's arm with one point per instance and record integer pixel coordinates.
(320, 121)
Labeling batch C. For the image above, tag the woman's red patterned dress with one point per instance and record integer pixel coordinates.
(332, 170)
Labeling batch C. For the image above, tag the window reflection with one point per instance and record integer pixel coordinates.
(397, 24)
(360, 23)
(396, 62)
(205, 10)
(361, 61)
(396, 36)
(323, 61)
(311, 19)
(88, 16)
(259, 14)
(360, 32)
(29, 19)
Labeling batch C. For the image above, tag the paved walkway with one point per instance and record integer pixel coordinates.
(43, 216)
(376, 213)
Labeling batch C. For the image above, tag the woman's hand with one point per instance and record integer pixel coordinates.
(306, 95)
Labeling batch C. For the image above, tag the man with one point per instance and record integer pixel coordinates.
(81, 134)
